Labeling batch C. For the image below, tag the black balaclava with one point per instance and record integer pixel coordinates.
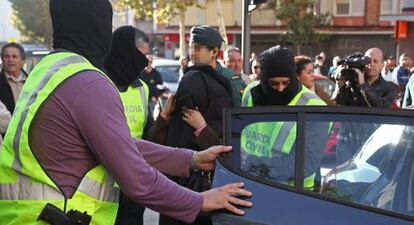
(125, 62)
(83, 27)
(276, 62)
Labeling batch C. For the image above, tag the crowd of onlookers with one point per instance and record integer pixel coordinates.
(398, 73)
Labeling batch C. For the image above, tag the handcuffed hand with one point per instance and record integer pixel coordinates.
(193, 117)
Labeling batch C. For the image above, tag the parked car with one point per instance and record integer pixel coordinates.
(170, 72)
(373, 186)
(34, 53)
(323, 81)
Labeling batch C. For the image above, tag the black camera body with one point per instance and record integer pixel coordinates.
(357, 61)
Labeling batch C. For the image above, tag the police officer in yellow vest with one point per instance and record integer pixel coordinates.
(68, 140)
(123, 66)
(268, 147)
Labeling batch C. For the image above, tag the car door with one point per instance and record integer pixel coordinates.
(279, 151)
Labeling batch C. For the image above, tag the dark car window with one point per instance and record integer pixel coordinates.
(368, 164)
(357, 159)
(169, 73)
(255, 137)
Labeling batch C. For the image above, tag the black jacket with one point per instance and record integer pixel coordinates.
(6, 94)
(210, 92)
(380, 94)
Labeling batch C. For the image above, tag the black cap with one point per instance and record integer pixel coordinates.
(206, 36)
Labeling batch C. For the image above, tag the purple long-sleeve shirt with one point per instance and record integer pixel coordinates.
(82, 124)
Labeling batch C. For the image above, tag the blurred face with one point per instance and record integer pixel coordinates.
(374, 68)
(234, 62)
(279, 83)
(305, 76)
(12, 61)
(200, 54)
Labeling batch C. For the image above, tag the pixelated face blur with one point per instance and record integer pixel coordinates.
(12, 61)
(279, 83)
(305, 76)
(200, 54)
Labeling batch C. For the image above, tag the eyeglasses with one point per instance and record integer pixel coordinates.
(256, 67)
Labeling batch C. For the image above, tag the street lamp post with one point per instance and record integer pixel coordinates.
(248, 7)
(246, 35)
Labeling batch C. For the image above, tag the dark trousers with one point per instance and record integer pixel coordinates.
(129, 212)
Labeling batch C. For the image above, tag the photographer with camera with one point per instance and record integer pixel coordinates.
(359, 81)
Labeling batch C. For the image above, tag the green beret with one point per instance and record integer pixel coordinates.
(206, 36)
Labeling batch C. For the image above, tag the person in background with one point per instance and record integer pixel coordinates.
(253, 56)
(319, 66)
(369, 88)
(123, 66)
(232, 71)
(75, 121)
(401, 74)
(184, 61)
(304, 70)
(12, 76)
(256, 70)
(152, 78)
(332, 69)
(388, 68)
(4, 120)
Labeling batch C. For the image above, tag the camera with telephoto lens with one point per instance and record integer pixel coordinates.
(357, 61)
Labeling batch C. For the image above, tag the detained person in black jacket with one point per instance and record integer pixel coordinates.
(370, 89)
(202, 89)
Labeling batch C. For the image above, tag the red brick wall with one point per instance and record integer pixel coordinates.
(372, 12)
(407, 44)
(349, 21)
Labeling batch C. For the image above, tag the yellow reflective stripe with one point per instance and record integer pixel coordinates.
(144, 100)
(104, 192)
(247, 99)
(290, 140)
(26, 189)
(283, 134)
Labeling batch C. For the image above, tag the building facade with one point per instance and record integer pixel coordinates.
(356, 26)
(401, 14)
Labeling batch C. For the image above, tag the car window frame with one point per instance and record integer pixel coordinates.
(301, 113)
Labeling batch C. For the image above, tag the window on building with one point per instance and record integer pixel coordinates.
(350, 44)
(342, 7)
(386, 7)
